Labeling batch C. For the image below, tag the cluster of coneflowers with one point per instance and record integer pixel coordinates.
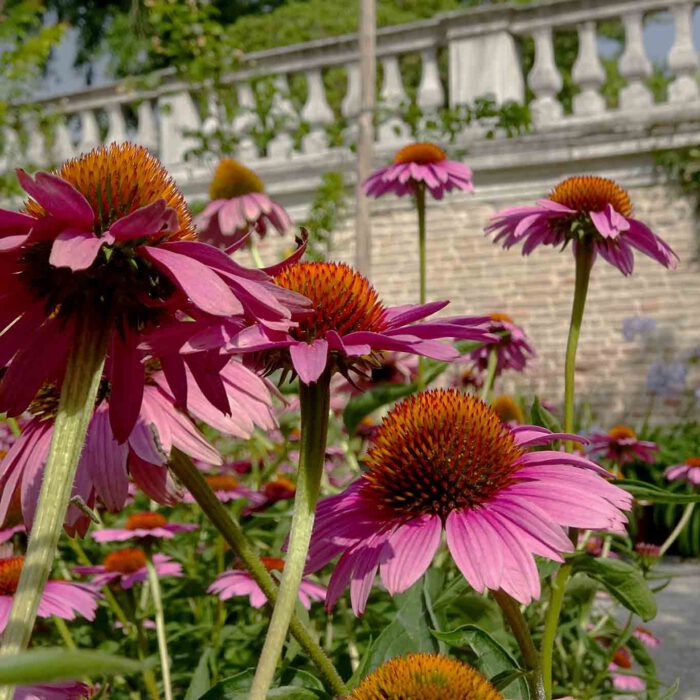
(122, 332)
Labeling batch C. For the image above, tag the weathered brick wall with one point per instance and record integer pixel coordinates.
(479, 277)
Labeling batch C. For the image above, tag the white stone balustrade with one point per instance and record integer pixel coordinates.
(483, 47)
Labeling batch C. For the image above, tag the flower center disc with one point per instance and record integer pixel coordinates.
(693, 462)
(507, 409)
(233, 179)
(279, 489)
(145, 521)
(10, 570)
(502, 318)
(425, 676)
(421, 153)
(621, 432)
(343, 300)
(125, 561)
(272, 563)
(221, 482)
(437, 452)
(586, 193)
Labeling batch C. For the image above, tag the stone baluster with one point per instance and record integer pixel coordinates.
(634, 66)
(147, 129)
(431, 95)
(116, 124)
(350, 106)
(212, 122)
(89, 131)
(285, 120)
(393, 99)
(545, 80)
(683, 59)
(178, 116)
(62, 140)
(316, 112)
(588, 73)
(10, 154)
(36, 143)
(244, 122)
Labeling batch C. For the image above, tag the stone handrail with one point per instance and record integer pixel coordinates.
(483, 58)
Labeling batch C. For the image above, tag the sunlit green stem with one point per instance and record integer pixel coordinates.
(422, 264)
(66, 636)
(194, 482)
(315, 405)
(550, 626)
(75, 408)
(687, 514)
(490, 375)
(254, 252)
(154, 585)
(521, 632)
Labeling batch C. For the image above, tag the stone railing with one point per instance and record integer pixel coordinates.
(482, 48)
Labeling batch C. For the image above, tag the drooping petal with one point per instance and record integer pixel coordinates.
(309, 359)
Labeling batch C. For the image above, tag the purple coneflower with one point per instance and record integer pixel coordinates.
(239, 582)
(443, 460)
(142, 526)
(239, 205)
(127, 567)
(512, 347)
(621, 446)
(581, 207)
(688, 471)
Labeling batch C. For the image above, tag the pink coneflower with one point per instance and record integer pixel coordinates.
(349, 325)
(274, 491)
(143, 526)
(646, 637)
(60, 598)
(512, 347)
(226, 487)
(239, 204)
(583, 206)
(621, 446)
(68, 690)
(623, 681)
(420, 164)
(688, 471)
(127, 567)
(109, 237)
(648, 553)
(442, 460)
(239, 582)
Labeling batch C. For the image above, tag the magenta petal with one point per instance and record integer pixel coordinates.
(309, 359)
(13, 223)
(411, 549)
(460, 543)
(127, 382)
(154, 480)
(58, 197)
(75, 249)
(141, 223)
(201, 284)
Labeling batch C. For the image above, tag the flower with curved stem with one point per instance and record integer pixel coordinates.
(126, 567)
(348, 326)
(239, 205)
(621, 446)
(442, 460)
(425, 676)
(239, 582)
(149, 525)
(512, 347)
(688, 470)
(420, 164)
(583, 207)
(63, 599)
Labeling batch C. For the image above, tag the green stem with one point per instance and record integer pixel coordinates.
(63, 630)
(422, 265)
(315, 406)
(687, 514)
(194, 482)
(618, 642)
(550, 626)
(521, 632)
(149, 677)
(584, 264)
(490, 375)
(254, 252)
(154, 585)
(75, 408)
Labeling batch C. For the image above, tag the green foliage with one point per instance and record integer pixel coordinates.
(327, 208)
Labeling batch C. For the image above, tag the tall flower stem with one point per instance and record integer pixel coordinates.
(490, 375)
(422, 264)
(584, 263)
(254, 252)
(75, 407)
(315, 405)
(194, 482)
(149, 678)
(521, 632)
(687, 514)
(154, 585)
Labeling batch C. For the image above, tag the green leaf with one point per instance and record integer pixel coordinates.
(622, 580)
(54, 664)
(643, 658)
(539, 415)
(648, 492)
(494, 659)
(238, 688)
(201, 679)
(502, 680)
(671, 690)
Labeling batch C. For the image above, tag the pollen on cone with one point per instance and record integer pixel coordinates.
(591, 193)
(422, 153)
